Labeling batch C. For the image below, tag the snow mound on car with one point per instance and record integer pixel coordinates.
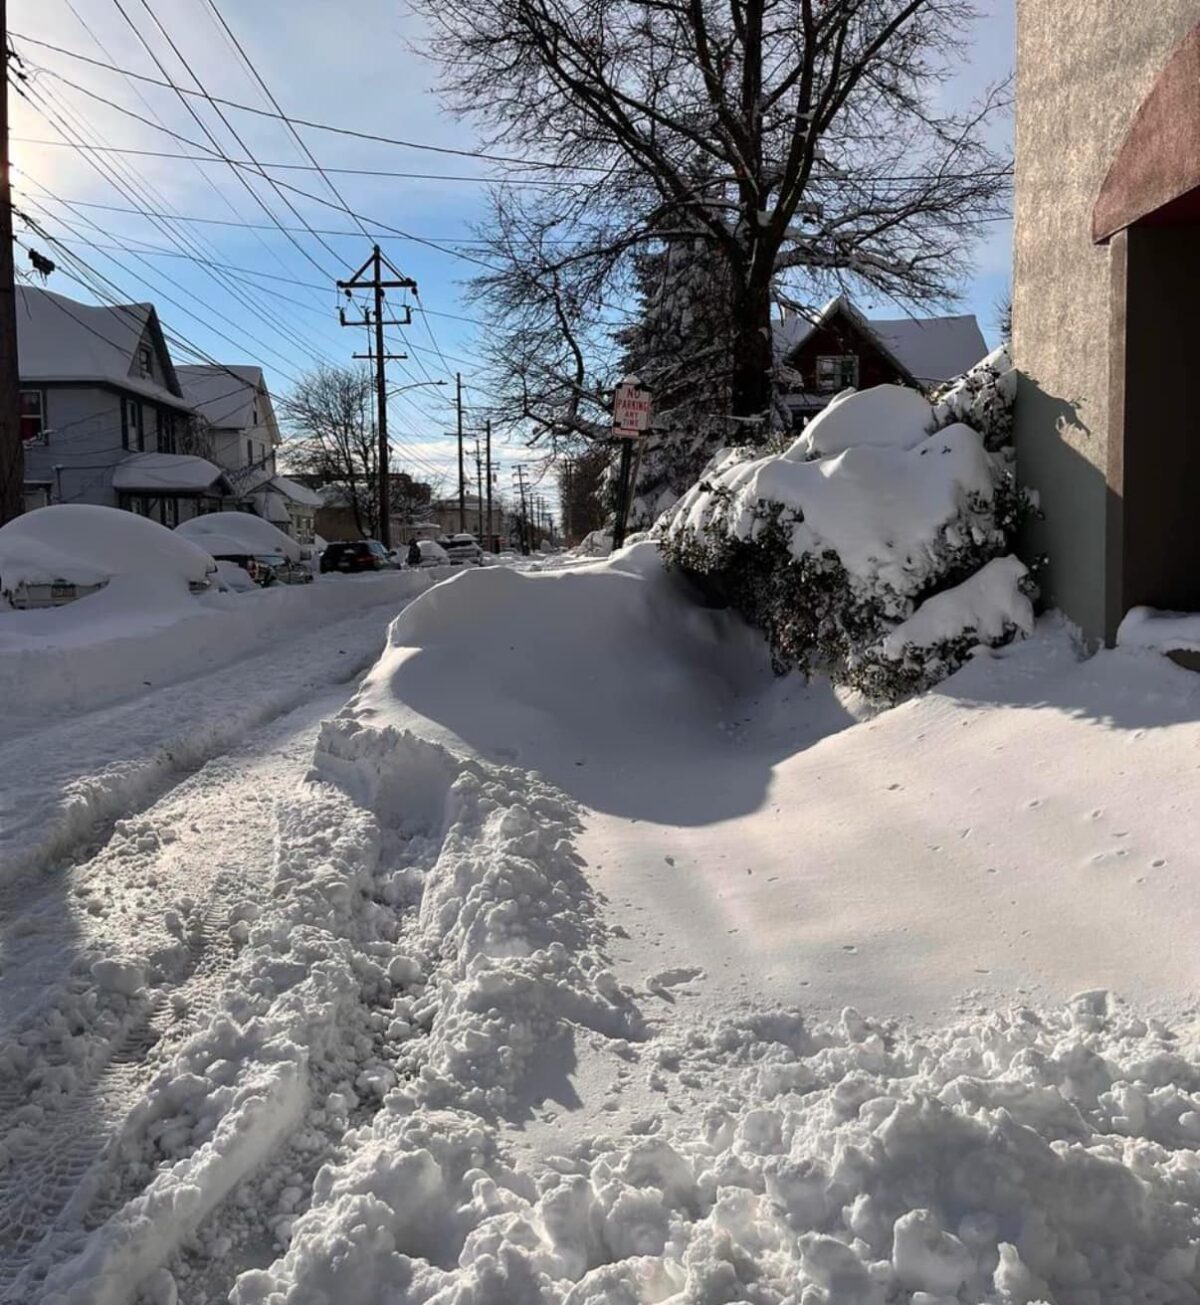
(85, 544)
(232, 534)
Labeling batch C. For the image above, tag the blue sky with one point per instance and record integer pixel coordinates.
(354, 63)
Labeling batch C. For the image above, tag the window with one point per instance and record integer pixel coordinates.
(33, 415)
(249, 453)
(145, 360)
(166, 432)
(837, 372)
(132, 434)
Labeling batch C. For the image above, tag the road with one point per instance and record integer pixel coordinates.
(130, 835)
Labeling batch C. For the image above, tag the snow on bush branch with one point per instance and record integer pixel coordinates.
(863, 549)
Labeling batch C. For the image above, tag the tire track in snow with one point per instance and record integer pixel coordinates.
(63, 1103)
(71, 782)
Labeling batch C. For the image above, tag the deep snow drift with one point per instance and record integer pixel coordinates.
(540, 996)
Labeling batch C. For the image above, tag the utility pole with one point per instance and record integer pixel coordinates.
(462, 479)
(487, 426)
(375, 264)
(12, 452)
(478, 488)
(520, 474)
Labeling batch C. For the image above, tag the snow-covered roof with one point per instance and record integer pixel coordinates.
(59, 339)
(272, 506)
(298, 493)
(226, 395)
(179, 473)
(930, 349)
(933, 348)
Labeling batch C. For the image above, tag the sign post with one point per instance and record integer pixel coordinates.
(631, 421)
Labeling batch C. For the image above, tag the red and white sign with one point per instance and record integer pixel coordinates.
(631, 410)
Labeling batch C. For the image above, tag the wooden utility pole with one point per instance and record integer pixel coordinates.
(478, 488)
(359, 281)
(12, 452)
(520, 474)
(462, 478)
(487, 427)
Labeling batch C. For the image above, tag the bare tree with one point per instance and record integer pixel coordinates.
(813, 126)
(330, 413)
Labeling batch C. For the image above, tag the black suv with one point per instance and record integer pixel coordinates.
(355, 555)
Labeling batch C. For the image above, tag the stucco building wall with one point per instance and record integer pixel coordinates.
(1083, 69)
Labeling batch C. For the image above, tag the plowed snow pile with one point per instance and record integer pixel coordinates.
(498, 1032)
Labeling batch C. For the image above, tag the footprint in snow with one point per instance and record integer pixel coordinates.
(670, 860)
(849, 947)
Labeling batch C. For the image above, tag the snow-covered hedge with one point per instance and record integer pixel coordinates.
(863, 549)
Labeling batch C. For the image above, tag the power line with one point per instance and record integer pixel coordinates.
(301, 122)
(128, 190)
(302, 167)
(208, 181)
(237, 172)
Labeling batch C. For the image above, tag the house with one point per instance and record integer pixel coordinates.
(445, 513)
(336, 518)
(838, 349)
(1106, 329)
(103, 417)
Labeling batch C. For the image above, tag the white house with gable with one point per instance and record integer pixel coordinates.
(103, 417)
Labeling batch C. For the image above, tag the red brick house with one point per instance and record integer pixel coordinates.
(840, 349)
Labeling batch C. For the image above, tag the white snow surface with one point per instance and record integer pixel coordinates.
(145, 631)
(232, 534)
(879, 508)
(85, 544)
(887, 415)
(622, 974)
(989, 604)
(1147, 628)
(177, 472)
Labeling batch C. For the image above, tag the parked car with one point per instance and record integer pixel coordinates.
(432, 554)
(350, 555)
(265, 553)
(57, 554)
(462, 549)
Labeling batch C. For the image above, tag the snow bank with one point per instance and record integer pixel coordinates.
(887, 416)
(232, 534)
(582, 662)
(86, 544)
(142, 630)
(1146, 628)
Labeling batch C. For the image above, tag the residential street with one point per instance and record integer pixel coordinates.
(599, 652)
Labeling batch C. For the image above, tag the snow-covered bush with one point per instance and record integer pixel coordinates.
(863, 549)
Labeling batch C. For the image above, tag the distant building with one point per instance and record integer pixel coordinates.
(839, 349)
(103, 417)
(1106, 332)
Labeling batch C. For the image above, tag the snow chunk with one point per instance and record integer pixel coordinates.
(927, 1258)
(885, 416)
(123, 977)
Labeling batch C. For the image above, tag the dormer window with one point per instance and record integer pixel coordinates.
(837, 372)
(145, 360)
